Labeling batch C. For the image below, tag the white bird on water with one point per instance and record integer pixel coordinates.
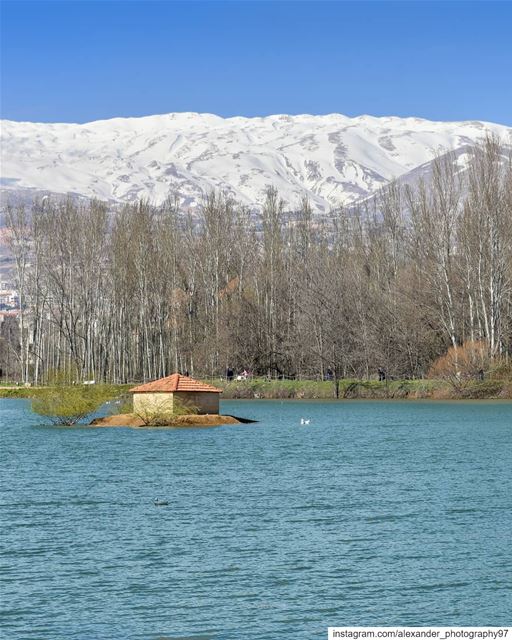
(304, 421)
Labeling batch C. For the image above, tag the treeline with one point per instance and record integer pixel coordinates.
(139, 292)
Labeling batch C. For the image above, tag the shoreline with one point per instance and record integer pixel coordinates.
(349, 389)
(457, 400)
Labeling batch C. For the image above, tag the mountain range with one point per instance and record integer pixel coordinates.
(333, 159)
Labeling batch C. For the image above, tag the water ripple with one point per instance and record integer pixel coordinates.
(376, 513)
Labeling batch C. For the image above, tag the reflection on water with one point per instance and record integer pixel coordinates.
(374, 513)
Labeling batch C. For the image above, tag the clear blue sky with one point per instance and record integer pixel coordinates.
(75, 61)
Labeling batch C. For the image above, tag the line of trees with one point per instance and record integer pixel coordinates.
(139, 292)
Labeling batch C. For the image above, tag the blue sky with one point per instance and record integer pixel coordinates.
(75, 61)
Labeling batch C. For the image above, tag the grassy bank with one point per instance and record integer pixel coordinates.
(34, 392)
(261, 388)
(364, 389)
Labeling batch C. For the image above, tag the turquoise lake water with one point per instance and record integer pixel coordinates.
(376, 513)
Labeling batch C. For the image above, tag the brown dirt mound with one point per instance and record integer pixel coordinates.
(131, 420)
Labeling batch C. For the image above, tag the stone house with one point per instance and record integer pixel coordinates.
(160, 395)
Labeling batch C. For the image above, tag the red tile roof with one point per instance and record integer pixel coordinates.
(176, 382)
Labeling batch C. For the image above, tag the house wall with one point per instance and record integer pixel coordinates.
(203, 401)
(152, 402)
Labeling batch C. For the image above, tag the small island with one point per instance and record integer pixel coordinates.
(173, 401)
(191, 420)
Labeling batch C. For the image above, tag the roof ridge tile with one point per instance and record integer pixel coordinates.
(176, 382)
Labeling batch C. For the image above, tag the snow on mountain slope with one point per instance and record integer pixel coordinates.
(333, 159)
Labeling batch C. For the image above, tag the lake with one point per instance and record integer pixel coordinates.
(376, 513)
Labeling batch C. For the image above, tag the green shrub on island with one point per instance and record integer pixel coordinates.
(67, 405)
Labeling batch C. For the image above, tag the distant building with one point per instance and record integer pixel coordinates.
(160, 395)
(8, 299)
(8, 314)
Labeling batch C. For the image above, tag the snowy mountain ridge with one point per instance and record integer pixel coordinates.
(332, 159)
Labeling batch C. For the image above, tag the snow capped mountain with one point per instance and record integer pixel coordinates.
(333, 159)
